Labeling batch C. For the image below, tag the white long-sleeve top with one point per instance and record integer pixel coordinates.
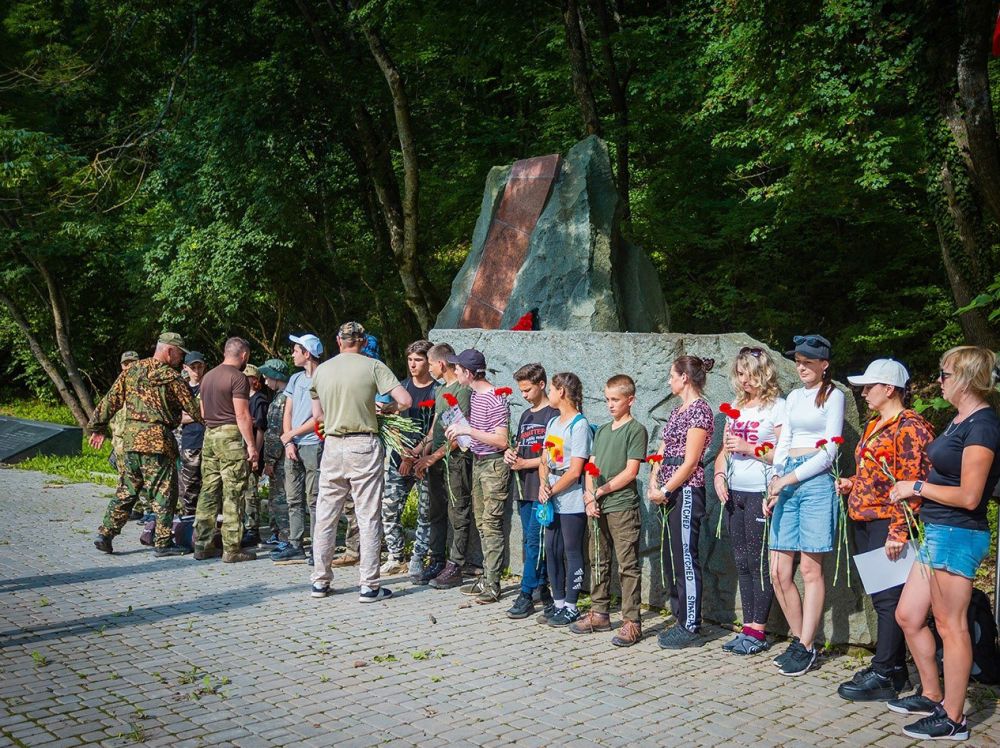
(806, 424)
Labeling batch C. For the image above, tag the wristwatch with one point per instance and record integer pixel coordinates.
(918, 486)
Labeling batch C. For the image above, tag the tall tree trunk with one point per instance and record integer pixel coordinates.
(60, 323)
(406, 254)
(67, 395)
(377, 154)
(579, 69)
(975, 22)
(617, 86)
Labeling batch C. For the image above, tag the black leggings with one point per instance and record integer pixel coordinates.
(745, 520)
(890, 649)
(564, 555)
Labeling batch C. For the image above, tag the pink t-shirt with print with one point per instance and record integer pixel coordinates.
(698, 415)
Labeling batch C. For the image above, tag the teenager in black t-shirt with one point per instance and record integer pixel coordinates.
(965, 468)
(524, 460)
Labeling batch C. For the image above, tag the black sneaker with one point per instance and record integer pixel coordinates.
(103, 543)
(679, 637)
(938, 726)
(429, 573)
(522, 607)
(273, 540)
(564, 617)
(750, 645)
(728, 646)
(915, 703)
(780, 659)
(368, 595)
(799, 662)
(170, 550)
(869, 685)
(548, 610)
(320, 590)
(288, 555)
(251, 539)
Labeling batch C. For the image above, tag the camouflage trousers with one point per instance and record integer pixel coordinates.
(251, 503)
(224, 471)
(153, 476)
(142, 504)
(277, 504)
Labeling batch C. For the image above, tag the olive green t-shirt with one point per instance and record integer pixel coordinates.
(346, 386)
(464, 396)
(612, 450)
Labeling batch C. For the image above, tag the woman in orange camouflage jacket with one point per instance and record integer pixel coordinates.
(897, 438)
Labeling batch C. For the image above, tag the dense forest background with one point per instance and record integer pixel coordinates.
(258, 168)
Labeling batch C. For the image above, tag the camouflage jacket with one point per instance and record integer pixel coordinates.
(153, 396)
(273, 450)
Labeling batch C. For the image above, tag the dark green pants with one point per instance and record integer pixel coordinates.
(153, 476)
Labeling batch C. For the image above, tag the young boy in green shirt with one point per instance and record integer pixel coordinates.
(612, 498)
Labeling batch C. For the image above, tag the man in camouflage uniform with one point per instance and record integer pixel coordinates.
(153, 395)
(275, 373)
(117, 459)
(228, 454)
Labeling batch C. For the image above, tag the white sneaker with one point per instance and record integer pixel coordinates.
(393, 566)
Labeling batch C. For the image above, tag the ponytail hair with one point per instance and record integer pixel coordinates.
(571, 386)
(825, 388)
(694, 368)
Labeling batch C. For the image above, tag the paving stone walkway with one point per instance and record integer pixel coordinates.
(128, 649)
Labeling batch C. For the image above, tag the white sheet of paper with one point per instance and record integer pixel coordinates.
(879, 573)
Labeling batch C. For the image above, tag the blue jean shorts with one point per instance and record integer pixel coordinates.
(805, 517)
(956, 550)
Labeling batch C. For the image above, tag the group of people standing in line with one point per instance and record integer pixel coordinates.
(576, 491)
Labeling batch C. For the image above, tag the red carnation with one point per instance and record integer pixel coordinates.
(318, 429)
(549, 444)
(450, 399)
(591, 469)
(525, 323)
(820, 443)
(766, 446)
(654, 458)
(837, 440)
(425, 404)
(734, 414)
(759, 451)
(503, 391)
(536, 448)
(725, 408)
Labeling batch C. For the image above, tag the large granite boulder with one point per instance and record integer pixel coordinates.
(595, 357)
(547, 240)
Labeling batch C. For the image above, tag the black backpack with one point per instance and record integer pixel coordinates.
(983, 632)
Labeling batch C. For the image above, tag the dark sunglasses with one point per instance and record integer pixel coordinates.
(942, 375)
(814, 342)
(755, 352)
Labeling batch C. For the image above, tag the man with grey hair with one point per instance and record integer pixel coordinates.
(228, 452)
(153, 396)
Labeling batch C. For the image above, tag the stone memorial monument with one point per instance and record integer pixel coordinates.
(547, 241)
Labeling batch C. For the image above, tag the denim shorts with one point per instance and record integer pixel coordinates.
(805, 517)
(956, 550)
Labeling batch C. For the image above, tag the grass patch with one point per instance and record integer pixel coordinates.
(38, 410)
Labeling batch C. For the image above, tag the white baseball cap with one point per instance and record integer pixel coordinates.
(883, 371)
(310, 342)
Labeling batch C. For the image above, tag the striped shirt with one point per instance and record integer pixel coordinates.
(487, 412)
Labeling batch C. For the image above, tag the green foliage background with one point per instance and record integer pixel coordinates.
(193, 166)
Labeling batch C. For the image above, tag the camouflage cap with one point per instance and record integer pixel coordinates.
(128, 357)
(251, 371)
(275, 368)
(172, 338)
(351, 331)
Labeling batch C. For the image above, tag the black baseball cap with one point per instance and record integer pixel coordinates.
(470, 359)
(810, 346)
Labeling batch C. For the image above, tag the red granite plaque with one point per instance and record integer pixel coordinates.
(506, 246)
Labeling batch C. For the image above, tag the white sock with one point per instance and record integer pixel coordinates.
(570, 607)
(365, 589)
(559, 604)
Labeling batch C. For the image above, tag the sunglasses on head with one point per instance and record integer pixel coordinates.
(814, 342)
(755, 352)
